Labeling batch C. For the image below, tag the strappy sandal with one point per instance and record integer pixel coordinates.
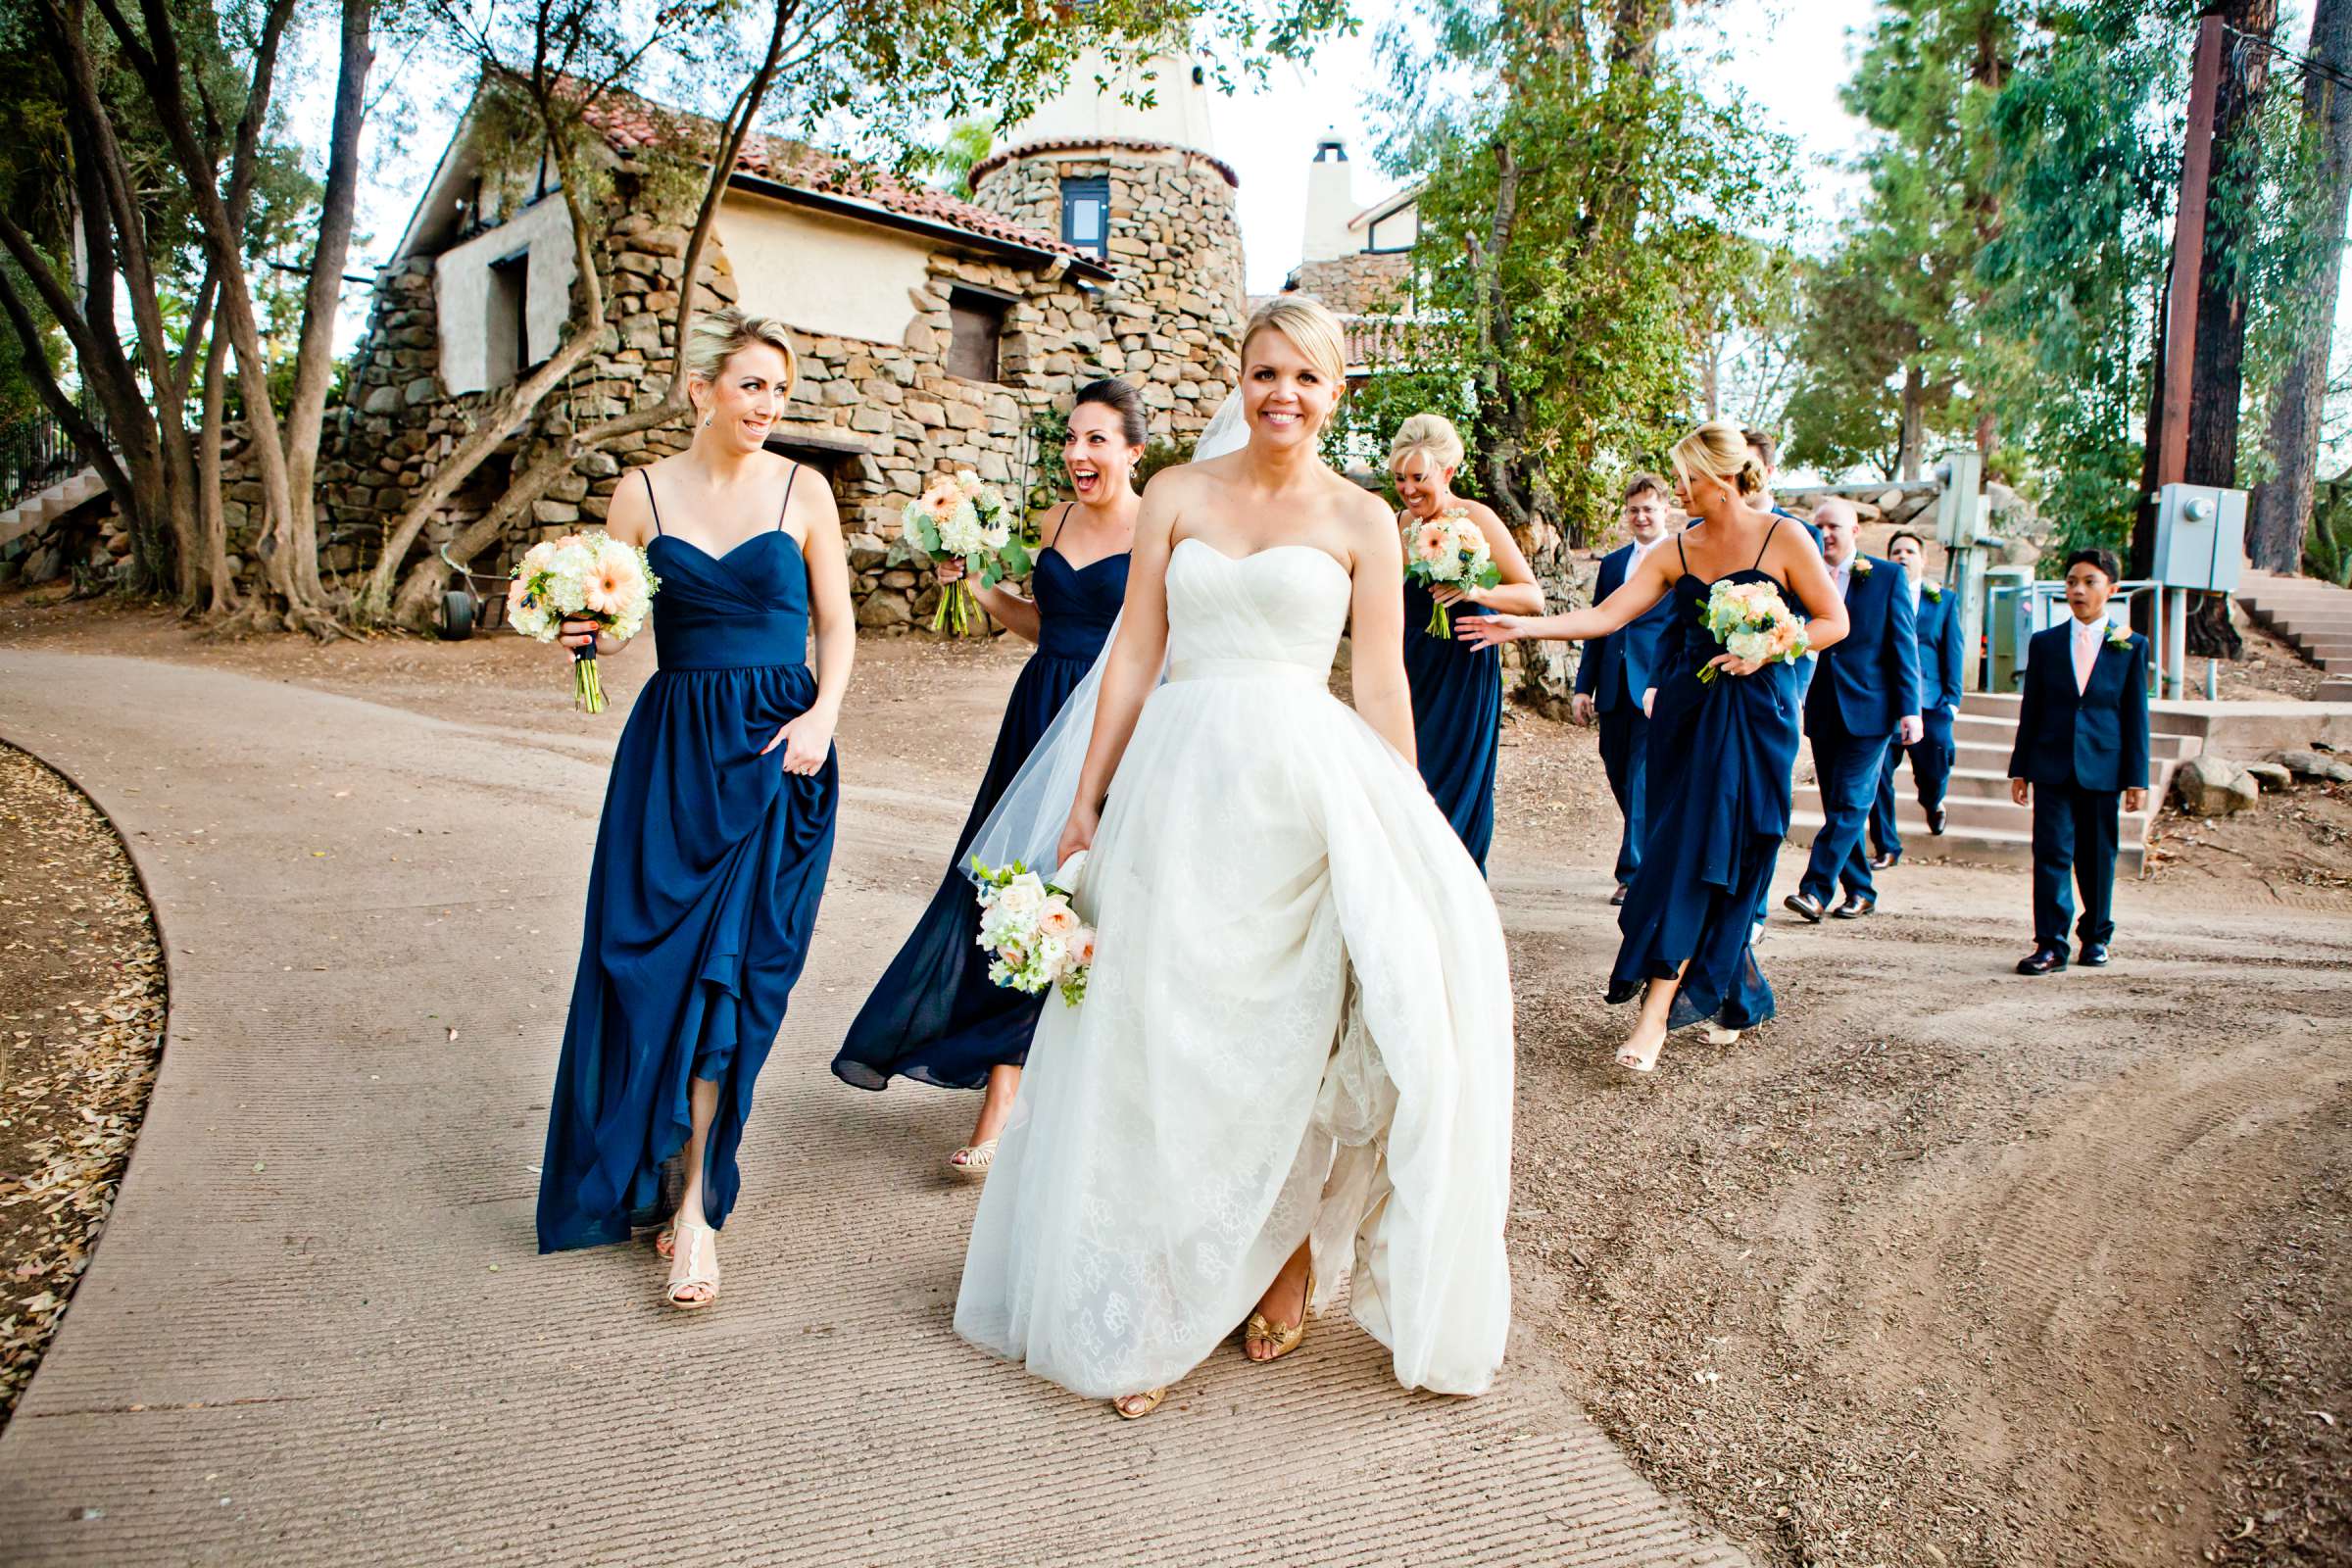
(1718, 1035)
(700, 1265)
(1135, 1406)
(1634, 1061)
(970, 1162)
(1284, 1339)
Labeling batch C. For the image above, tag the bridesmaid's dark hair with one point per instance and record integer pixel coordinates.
(1123, 400)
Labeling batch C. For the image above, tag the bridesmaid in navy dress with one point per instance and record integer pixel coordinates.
(934, 1016)
(1720, 752)
(1457, 688)
(718, 825)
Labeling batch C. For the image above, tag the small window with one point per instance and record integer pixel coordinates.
(508, 322)
(979, 323)
(1086, 213)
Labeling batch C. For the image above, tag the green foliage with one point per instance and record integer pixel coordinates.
(1579, 227)
(948, 163)
(1890, 345)
(1158, 455)
(2087, 134)
(2327, 546)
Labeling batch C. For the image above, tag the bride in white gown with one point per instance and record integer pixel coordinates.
(1294, 1059)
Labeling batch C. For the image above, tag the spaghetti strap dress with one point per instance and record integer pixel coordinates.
(710, 862)
(1721, 758)
(1457, 719)
(934, 1016)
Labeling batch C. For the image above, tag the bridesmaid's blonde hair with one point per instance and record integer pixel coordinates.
(1433, 433)
(1311, 329)
(718, 336)
(1719, 450)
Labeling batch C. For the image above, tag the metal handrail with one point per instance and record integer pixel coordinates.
(35, 453)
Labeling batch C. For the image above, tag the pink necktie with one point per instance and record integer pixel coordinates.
(2086, 656)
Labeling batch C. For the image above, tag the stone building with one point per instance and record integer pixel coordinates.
(934, 331)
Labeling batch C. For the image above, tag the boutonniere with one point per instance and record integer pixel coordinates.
(1861, 565)
(2119, 637)
(1933, 591)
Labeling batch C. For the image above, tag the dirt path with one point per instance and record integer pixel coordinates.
(1945, 1265)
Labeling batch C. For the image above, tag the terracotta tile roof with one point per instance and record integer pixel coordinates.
(630, 122)
(1053, 144)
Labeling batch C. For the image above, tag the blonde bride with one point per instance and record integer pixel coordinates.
(1294, 1059)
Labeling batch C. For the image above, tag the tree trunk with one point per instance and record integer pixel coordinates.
(315, 358)
(2280, 506)
(1915, 420)
(214, 522)
(2217, 374)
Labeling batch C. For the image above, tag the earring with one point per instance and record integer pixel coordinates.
(706, 419)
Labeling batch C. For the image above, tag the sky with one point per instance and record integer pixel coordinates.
(1789, 55)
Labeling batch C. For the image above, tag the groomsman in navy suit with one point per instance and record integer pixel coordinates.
(1935, 617)
(1865, 697)
(2081, 749)
(1613, 678)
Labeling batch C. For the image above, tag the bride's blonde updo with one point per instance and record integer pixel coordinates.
(718, 336)
(1432, 433)
(1719, 450)
(1311, 329)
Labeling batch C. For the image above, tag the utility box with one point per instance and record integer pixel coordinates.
(2200, 537)
(2008, 613)
(1960, 511)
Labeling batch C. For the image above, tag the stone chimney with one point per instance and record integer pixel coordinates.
(1329, 202)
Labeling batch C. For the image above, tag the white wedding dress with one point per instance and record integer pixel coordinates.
(1298, 1023)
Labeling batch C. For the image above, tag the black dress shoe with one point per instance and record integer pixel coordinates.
(1854, 908)
(1803, 905)
(1886, 860)
(2045, 961)
(1618, 897)
(2093, 955)
(1937, 815)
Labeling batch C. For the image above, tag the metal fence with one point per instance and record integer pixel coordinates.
(35, 453)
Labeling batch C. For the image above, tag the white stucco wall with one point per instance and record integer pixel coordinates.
(1395, 231)
(1330, 204)
(826, 275)
(462, 291)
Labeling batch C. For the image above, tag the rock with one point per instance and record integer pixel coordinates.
(2214, 786)
(2270, 776)
(2314, 765)
(45, 564)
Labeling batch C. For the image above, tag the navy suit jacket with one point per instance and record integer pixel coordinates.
(1616, 669)
(1870, 678)
(2097, 739)
(1939, 629)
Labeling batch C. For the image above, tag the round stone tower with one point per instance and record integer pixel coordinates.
(1139, 183)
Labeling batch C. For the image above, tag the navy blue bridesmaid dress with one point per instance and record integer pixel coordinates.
(1457, 719)
(1721, 758)
(710, 862)
(935, 1017)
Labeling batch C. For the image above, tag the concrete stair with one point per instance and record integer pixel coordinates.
(1981, 822)
(56, 501)
(2309, 615)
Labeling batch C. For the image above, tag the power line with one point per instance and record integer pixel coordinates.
(2311, 66)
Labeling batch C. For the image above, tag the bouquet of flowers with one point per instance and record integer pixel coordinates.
(582, 576)
(1448, 551)
(960, 516)
(1033, 935)
(1752, 621)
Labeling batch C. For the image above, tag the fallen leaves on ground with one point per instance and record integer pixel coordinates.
(82, 1020)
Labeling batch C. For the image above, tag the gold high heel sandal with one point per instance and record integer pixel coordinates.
(1284, 1339)
(1135, 1406)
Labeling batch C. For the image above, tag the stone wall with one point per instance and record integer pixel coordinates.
(1359, 283)
(875, 417)
(1171, 321)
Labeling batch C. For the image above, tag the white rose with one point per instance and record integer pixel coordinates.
(1024, 896)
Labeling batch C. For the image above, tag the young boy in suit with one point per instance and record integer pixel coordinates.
(2082, 751)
